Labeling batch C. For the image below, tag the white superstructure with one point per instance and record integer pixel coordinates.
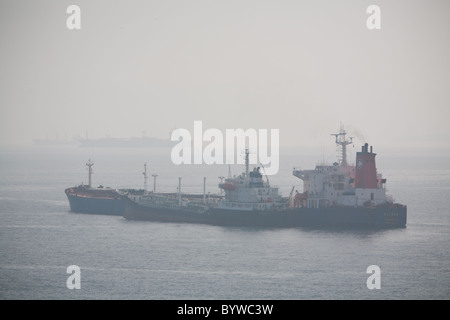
(249, 191)
(342, 184)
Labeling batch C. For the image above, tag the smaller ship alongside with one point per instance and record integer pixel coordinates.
(101, 200)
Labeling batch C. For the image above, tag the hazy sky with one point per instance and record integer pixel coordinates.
(298, 66)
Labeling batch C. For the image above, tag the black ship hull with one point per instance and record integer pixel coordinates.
(388, 216)
(82, 203)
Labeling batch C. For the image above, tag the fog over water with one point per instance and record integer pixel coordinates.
(148, 67)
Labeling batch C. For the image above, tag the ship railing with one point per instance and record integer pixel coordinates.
(316, 195)
(236, 205)
(249, 206)
(171, 201)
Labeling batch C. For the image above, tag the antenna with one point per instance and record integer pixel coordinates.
(342, 143)
(264, 170)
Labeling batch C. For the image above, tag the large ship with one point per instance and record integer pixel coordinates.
(336, 196)
(100, 200)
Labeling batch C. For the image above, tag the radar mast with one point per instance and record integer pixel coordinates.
(342, 144)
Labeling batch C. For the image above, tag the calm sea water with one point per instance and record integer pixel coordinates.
(120, 259)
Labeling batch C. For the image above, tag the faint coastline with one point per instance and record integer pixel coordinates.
(134, 142)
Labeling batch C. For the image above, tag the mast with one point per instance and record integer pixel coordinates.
(247, 174)
(154, 182)
(89, 164)
(221, 181)
(342, 143)
(204, 189)
(145, 177)
(179, 191)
